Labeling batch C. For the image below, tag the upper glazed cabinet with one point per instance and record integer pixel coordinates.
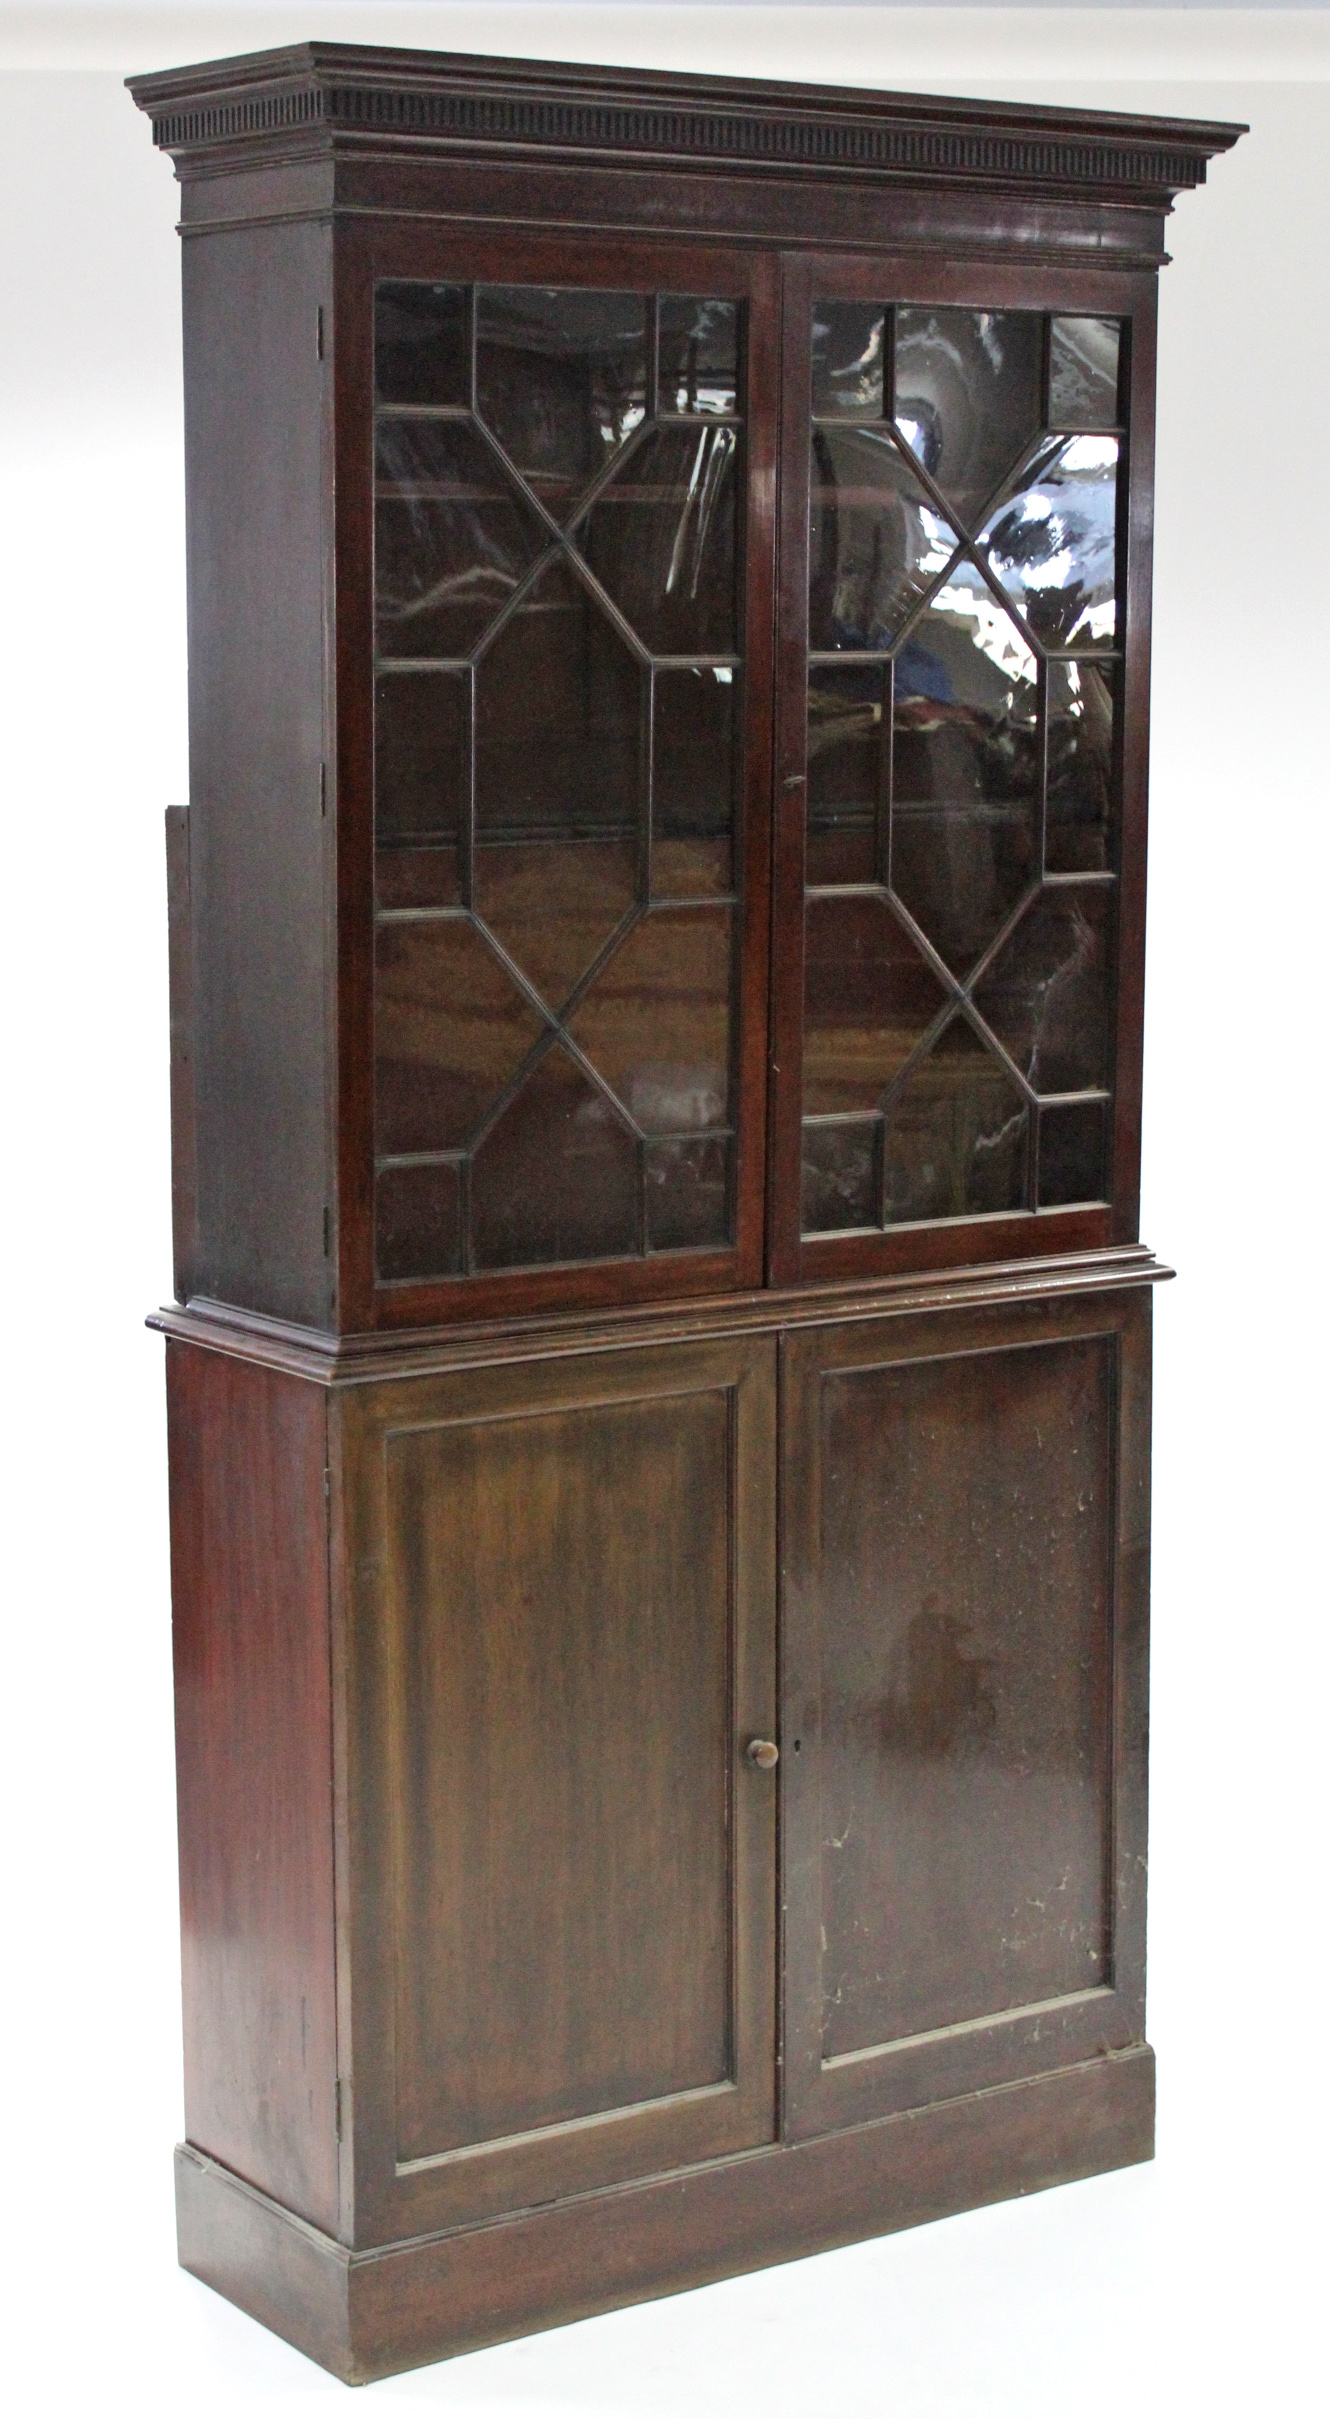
(669, 714)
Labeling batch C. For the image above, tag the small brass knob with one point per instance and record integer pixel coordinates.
(762, 1752)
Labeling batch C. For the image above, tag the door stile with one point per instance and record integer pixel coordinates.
(791, 777)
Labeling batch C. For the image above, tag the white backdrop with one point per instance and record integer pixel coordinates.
(1188, 2284)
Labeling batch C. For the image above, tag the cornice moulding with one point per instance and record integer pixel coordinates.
(331, 98)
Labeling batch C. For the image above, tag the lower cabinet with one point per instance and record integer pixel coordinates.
(615, 2004)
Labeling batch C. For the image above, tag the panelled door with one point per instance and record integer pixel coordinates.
(559, 1644)
(964, 569)
(966, 1522)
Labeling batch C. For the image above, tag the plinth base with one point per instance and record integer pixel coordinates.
(366, 2314)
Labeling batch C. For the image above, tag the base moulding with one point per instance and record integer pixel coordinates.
(368, 2313)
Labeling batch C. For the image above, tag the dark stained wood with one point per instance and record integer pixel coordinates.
(1138, 506)
(254, 1764)
(255, 469)
(426, 1351)
(180, 966)
(516, 1986)
(963, 1815)
(367, 2316)
(318, 98)
(560, 1638)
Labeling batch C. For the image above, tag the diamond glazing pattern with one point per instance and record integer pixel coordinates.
(556, 755)
(962, 748)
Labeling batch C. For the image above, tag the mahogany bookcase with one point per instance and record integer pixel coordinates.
(659, 1383)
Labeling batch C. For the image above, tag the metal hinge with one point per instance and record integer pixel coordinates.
(327, 1485)
(323, 789)
(337, 2092)
(327, 1230)
(318, 333)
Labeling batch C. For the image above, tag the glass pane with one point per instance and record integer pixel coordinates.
(699, 354)
(848, 355)
(660, 539)
(559, 712)
(1052, 541)
(839, 1188)
(656, 1021)
(687, 1193)
(957, 1135)
(869, 998)
(561, 380)
(1083, 373)
(876, 542)
(419, 756)
(1046, 994)
(1080, 767)
(846, 772)
(965, 770)
(421, 354)
(420, 739)
(693, 774)
(450, 1029)
(417, 1222)
(556, 1176)
(452, 537)
(1073, 1154)
(553, 905)
(968, 396)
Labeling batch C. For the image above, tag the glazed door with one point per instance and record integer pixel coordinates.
(961, 708)
(560, 1643)
(965, 1570)
(556, 552)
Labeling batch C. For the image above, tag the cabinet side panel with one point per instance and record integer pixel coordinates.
(255, 465)
(254, 1758)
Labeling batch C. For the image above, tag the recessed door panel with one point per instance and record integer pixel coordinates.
(949, 1726)
(567, 1641)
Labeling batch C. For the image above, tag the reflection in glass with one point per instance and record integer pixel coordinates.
(656, 1021)
(869, 997)
(965, 769)
(693, 781)
(687, 1193)
(417, 1221)
(559, 709)
(555, 1178)
(1083, 373)
(1052, 541)
(421, 353)
(968, 396)
(420, 755)
(699, 354)
(1080, 766)
(660, 539)
(876, 542)
(838, 1175)
(848, 360)
(557, 759)
(561, 380)
(1046, 993)
(956, 1135)
(553, 906)
(452, 537)
(1073, 1154)
(450, 1028)
(846, 770)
